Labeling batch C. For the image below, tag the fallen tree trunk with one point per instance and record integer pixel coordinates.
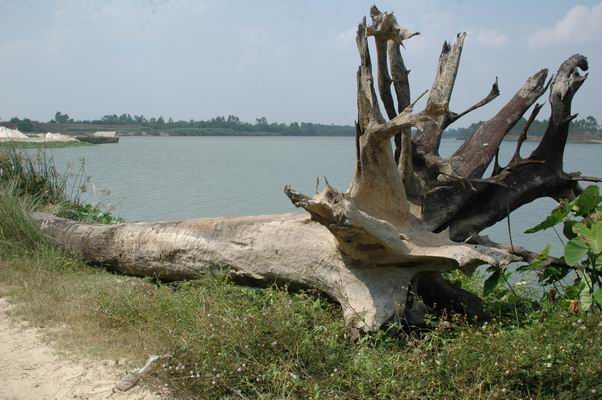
(380, 246)
(288, 249)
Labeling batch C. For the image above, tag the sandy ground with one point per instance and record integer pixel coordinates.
(31, 369)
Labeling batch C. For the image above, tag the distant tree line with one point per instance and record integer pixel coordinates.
(262, 125)
(230, 122)
(537, 128)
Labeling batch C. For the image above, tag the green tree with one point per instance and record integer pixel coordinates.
(25, 125)
(62, 118)
(591, 123)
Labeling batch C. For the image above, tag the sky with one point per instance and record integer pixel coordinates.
(286, 60)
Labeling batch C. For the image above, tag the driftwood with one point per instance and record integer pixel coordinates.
(134, 377)
(379, 247)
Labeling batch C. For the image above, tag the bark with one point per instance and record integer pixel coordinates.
(437, 293)
(379, 247)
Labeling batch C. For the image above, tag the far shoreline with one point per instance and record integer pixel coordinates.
(259, 134)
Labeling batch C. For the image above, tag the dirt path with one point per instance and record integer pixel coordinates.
(30, 369)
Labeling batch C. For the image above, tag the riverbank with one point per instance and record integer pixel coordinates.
(573, 138)
(33, 369)
(591, 139)
(227, 341)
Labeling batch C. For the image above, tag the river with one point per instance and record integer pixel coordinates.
(165, 178)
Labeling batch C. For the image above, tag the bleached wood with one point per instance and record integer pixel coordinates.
(291, 249)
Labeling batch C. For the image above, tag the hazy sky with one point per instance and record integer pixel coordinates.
(287, 60)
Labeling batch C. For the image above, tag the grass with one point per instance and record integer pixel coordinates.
(18, 233)
(43, 145)
(33, 176)
(233, 342)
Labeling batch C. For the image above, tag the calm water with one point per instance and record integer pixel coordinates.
(164, 178)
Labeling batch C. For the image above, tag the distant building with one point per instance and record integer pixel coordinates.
(105, 134)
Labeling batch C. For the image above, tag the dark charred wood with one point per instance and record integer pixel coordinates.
(564, 86)
(475, 154)
(441, 295)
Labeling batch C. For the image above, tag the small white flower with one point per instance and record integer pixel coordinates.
(548, 365)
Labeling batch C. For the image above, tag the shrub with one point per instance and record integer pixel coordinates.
(18, 233)
(86, 213)
(581, 220)
(582, 226)
(32, 175)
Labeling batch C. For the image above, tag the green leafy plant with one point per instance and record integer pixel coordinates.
(581, 219)
(87, 213)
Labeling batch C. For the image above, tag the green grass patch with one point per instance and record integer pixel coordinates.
(85, 213)
(227, 341)
(19, 235)
(43, 145)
